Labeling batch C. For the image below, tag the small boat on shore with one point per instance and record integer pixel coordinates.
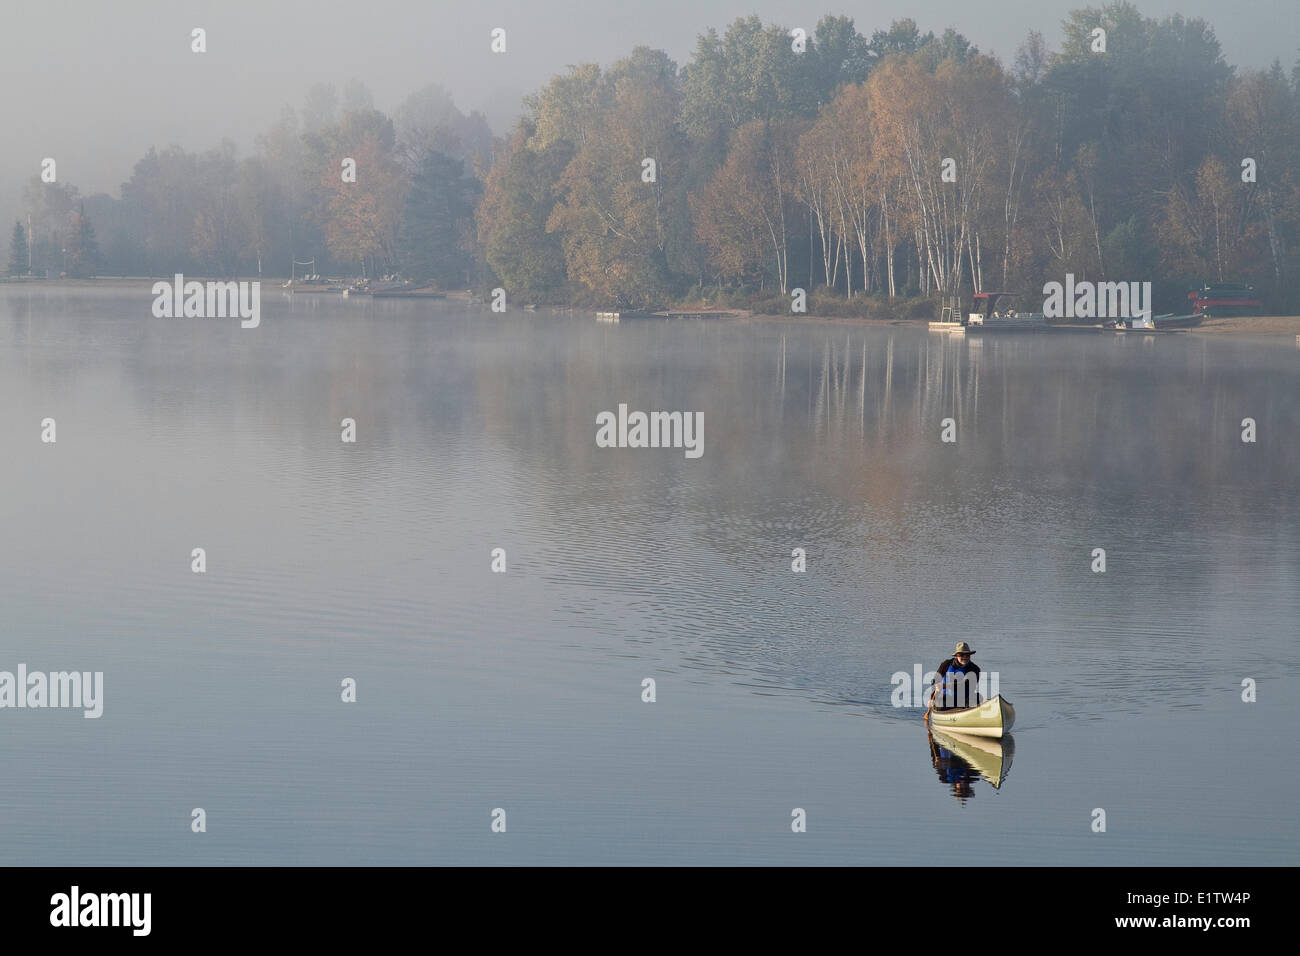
(993, 718)
(1217, 300)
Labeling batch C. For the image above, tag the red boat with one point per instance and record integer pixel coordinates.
(1224, 298)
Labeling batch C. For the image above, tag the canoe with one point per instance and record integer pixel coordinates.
(993, 718)
(991, 759)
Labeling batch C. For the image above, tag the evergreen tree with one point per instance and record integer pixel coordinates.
(436, 237)
(18, 251)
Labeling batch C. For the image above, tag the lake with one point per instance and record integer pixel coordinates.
(523, 690)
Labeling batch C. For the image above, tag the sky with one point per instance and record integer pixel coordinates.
(95, 83)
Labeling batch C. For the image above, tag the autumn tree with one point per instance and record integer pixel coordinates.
(362, 218)
(744, 216)
(1063, 224)
(83, 255)
(1262, 133)
(615, 219)
(942, 131)
(1206, 226)
(518, 197)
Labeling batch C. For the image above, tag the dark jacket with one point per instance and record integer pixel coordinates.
(950, 697)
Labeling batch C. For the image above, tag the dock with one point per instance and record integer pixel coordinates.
(666, 315)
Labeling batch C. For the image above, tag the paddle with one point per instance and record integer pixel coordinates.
(926, 719)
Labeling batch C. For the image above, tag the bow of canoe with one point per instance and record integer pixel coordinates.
(993, 718)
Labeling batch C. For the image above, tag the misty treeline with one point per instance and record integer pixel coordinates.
(902, 164)
(410, 209)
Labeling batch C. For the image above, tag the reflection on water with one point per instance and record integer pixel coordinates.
(961, 760)
(477, 431)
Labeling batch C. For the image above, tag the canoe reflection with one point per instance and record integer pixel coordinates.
(961, 760)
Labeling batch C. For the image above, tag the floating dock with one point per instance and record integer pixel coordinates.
(637, 314)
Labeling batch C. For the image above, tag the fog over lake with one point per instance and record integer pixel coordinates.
(477, 690)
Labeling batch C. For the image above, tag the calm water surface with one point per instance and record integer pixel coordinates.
(523, 690)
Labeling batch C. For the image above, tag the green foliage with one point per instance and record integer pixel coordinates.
(616, 221)
(520, 193)
(751, 73)
(1127, 252)
(436, 237)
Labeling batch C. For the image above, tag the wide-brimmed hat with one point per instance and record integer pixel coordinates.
(962, 648)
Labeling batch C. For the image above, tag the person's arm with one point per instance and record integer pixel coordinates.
(933, 690)
(938, 678)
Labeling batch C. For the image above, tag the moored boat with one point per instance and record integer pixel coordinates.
(1215, 300)
(993, 718)
(314, 285)
(989, 319)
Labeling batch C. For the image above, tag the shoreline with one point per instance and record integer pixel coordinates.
(1261, 326)
(1267, 326)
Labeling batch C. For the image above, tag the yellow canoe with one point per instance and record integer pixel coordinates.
(993, 718)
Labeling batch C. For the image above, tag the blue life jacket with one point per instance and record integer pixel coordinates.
(958, 685)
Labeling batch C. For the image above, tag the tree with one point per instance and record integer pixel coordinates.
(520, 192)
(439, 209)
(751, 72)
(218, 234)
(616, 222)
(162, 205)
(840, 55)
(320, 108)
(1031, 63)
(1145, 104)
(1205, 227)
(743, 217)
(1064, 225)
(357, 97)
(83, 255)
(360, 219)
(925, 122)
(428, 121)
(260, 205)
(18, 250)
(1263, 123)
(836, 164)
(568, 108)
(50, 206)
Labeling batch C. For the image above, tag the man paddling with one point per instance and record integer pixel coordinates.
(957, 669)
